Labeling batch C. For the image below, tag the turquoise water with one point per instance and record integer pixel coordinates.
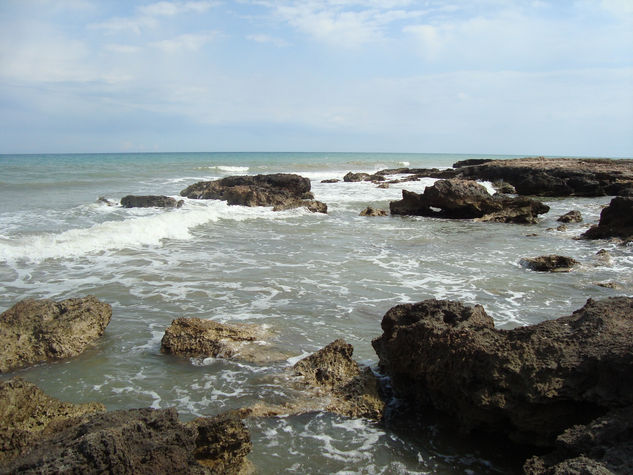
(310, 278)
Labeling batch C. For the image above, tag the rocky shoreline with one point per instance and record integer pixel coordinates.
(563, 387)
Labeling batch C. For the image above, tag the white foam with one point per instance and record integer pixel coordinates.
(404, 164)
(229, 169)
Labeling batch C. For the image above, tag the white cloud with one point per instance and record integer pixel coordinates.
(266, 39)
(174, 8)
(125, 49)
(120, 24)
(186, 42)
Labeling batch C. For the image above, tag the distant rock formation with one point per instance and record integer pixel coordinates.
(35, 331)
(467, 199)
(530, 383)
(280, 190)
(616, 220)
(551, 263)
(151, 201)
(355, 177)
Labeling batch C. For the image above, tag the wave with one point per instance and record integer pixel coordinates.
(135, 232)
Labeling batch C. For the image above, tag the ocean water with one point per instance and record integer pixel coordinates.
(310, 278)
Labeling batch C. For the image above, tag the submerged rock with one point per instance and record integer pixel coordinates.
(150, 201)
(369, 211)
(280, 190)
(27, 414)
(139, 441)
(551, 263)
(466, 199)
(197, 338)
(572, 217)
(530, 383)
(616, 220)
(35, 331)
(354, 389)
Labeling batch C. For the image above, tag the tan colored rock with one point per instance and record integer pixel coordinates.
(35, 331)
(369, 211)
(198, 338)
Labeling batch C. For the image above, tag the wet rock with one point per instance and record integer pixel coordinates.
(105, 201)
(331, 180)
(354, 389)
(530, 383)
(604, 257)
(139, 441)
(311, 205)
(608, 285)
(572, 217)
(280, 190)
(557, 176)
(27, 414)
(151, 201)
(616, 220)
(471, 161)
(355, 177)
(36, 331)
(369, 211)
(466, 199)
(505, 188)
(603, 446)
(197, 338)
(551, 263)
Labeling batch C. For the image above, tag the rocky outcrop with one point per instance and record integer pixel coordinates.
(604, 446)
(355, 177)
(466, 199)
(616, 220)
(571, 217)
(330, 180)
(369, 211)
(354, 389)
(139, 441)
(551, 263)
(197, 338)
(28, 414)
(35, 331)
(530, 383)
(151, 201)
(556, 176)
(279, 190)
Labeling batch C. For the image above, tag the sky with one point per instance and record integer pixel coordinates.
(523, 77)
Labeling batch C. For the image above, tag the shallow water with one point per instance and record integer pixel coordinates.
(311, 278)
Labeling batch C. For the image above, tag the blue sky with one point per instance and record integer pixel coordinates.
(478, 76)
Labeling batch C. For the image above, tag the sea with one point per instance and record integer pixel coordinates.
(308, 278)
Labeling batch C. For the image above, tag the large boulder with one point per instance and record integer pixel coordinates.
(280, 190)
(467, 199)
(197, 338)
(35, 331)
(27, 414)
(150, 201)
(354, 389)
(139, 441)
(550, 263)
(530, 383)
(616, 220)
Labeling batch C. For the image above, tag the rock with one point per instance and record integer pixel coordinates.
(383, 186)
(331, 180)
(466, 199)
(557, 176)
(151, 201)
(311, 205)
(471, 161)
(616, 220)
(551, 263)
(505, 188)
(105, 201)
(197, 338)
(604, 256)
(279, 190)
(369, 211)
(27, 414)
(355, 391)
(562, 227)
(139, 441)
(35, 331)
(571, 217)
(603, 446)
(529, 383)
(355, 177)
(608, 285)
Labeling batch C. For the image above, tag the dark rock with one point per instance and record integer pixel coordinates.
(311, 205)
(197, 338)
(530, 383)
(331, 180)
(280, 190)
(355, 177)
(35, 331)
(505, 188)
(151, 201)
(571, 217)
(139, 441)
(551, 263)
(27, 414)
(105, 201)
(369, 211)
(471, 161)
(466, 199)
(557, 176)
(355, 390)
(616, 220)
(603, 446)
